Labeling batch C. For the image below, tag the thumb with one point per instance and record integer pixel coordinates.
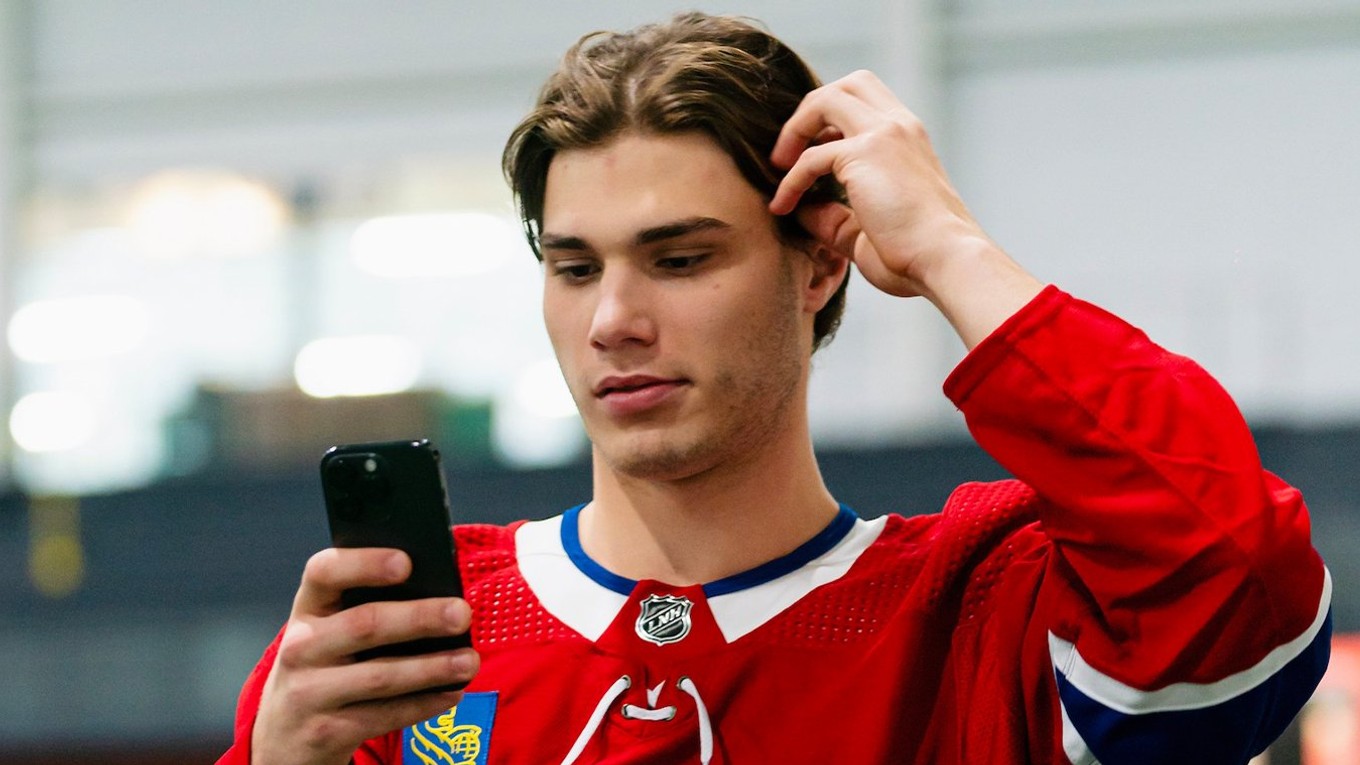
(832, 224)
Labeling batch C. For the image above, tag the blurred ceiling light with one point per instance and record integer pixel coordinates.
(52, 421)
(541, 391)
(435, 244)
(72, 329)
(183, 213)
(534, 422)
(363, 365)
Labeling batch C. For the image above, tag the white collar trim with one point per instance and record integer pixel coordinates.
(589, 608)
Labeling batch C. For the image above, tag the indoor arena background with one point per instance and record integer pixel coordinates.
(230, 236)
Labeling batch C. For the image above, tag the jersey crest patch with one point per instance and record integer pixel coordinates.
(664, 619)
(460, 736)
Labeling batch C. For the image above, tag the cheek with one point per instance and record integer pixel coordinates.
(561, 310)
(757, 314)
(560, 323)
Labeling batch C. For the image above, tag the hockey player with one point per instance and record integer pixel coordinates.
(1142, 593)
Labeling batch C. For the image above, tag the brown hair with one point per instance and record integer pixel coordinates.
(719, 75)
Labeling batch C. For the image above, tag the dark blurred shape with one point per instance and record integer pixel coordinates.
(282, 431)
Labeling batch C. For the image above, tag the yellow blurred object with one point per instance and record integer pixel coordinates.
(56, 556)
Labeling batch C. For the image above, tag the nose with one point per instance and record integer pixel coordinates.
(624, 311)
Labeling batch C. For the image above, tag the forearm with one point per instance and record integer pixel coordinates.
(976, 286)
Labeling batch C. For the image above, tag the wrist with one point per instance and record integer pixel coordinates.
(977, 287)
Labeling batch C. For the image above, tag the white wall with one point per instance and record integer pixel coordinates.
(1215, 200)
(1191, 165)
(125, 86)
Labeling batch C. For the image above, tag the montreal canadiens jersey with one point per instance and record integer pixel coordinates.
(1142, 592)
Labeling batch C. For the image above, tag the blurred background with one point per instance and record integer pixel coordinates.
(236, 232)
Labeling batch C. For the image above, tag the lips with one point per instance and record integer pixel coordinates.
(635, 394)
(629, 384)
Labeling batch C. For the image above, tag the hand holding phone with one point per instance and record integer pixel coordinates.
(315, 684)
(392, 494)
(385, 495)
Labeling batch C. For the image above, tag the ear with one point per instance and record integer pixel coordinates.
(829, 270)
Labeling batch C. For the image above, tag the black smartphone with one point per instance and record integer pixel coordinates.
(392, 494)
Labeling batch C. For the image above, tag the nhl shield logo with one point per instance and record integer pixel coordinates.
(664, 619)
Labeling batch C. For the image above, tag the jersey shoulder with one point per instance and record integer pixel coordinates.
(922, 570)
(977, 520)
(966, 549)
(484, 550)
(506, 612)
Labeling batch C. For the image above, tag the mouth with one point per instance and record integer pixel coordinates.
(633, 384)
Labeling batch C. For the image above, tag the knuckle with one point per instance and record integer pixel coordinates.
(293, 648)
(299, 695)
(319, 732)
(318, 565)
(819, 96)
(375, 681)
(910, 126)
(905, 129)
(363, 622)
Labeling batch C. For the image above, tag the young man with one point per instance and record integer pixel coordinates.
(1144, 592)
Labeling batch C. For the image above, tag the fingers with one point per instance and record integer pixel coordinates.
(327, 732)
(321, 633)
(828, 108)
(846, 106)
(811, 165)
(393, 678)
(819, 132)
(386, 622)
(400, 712)
(335, 639)
(377, 681)
(334, 570)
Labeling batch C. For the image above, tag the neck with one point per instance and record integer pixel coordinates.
(724, 520)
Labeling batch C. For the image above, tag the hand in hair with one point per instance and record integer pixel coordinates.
(905, 227)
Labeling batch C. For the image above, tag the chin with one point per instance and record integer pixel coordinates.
(660, 462)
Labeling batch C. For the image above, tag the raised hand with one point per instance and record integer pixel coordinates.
(905, 227)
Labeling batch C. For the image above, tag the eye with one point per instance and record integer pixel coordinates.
(575, 271)
(681, 264)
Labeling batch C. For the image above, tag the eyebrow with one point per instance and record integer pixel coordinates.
(646, 236)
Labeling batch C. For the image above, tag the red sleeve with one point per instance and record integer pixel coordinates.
(248, 704)
(1183, 575)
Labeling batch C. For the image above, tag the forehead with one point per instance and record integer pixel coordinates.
(638, 181)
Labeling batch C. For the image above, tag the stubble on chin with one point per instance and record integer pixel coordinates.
(665, 460)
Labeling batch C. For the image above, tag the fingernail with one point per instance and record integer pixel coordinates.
(465, 662)
(453, 614)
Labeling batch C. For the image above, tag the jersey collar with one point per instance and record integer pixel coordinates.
(810, 550)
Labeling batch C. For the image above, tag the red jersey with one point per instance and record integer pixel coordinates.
(1143, 592)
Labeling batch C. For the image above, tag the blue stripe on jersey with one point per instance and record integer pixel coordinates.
(571, 542)
(814, 548)
(1205, 734)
